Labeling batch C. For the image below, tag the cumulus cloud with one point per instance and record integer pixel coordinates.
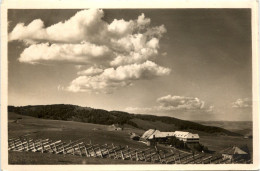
(85, 24)
(181, 102)
(164, 54)
(121, 28)
(92, 71)
(175, 103)
(242, 103)
(210, 108)
(130, 41)
(73, 53)
(111, 78)
(123, 49)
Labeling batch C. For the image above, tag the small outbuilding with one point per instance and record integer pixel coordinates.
(236, 153)
(135, 137)
(115, 127)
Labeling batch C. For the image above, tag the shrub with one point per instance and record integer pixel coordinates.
(177, 143)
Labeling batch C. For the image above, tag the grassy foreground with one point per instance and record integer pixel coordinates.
(23, 158)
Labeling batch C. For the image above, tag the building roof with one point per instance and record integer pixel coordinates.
(134, 136)
(152, 133)
(233, 150)
(182, 134)
(193, 135)
(149, 133)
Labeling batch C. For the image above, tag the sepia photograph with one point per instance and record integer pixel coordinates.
(130, 86)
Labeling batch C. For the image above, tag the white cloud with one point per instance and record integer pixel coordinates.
(91, 71)
(181, 102)
(210, 108)
(74, 53)
(134, 57)
(121, 28)
(171, 103)
(130, 41)
(142, 110)
(111, 78)
(123, 49)
(164, 54)
(242, 103)
(85, 24)
(79, 66)
(142, 22)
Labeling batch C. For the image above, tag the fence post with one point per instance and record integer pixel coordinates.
(51, 148)
(131, 156)
(22, 143)
(144, 156)
(27, 142)
(79, 151)
(128, 154)
(55, 148)
(41, 146)
(101, 154)
(159, 157)
(63, 149)
(122, 155)
(106, 149)
(34, 147)
(94, 151)
(115, 155)
(86, 151)
(14, 145)
(73, 149)
(137, 157)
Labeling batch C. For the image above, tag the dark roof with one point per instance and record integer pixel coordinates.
(134, 136)
(234, 150)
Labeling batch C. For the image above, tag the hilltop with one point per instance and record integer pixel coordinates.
(98, 116)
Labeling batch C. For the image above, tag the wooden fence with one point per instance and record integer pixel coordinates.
(78, 147)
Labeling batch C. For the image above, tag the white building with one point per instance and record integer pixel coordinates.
(183, 136)
(187, 136)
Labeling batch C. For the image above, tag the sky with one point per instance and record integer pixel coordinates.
(192, 64)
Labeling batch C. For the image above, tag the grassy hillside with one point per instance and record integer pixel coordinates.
(19, 125)
(35, 128)
(99, 116)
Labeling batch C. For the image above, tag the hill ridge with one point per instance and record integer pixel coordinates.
(70, 112)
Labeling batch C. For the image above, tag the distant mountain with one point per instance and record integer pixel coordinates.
(99, 116)
(241, 127)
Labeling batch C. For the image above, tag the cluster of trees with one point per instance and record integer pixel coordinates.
(99, 116)
(191, 147)
(198, 147)
(74, 113)
(177, 143)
